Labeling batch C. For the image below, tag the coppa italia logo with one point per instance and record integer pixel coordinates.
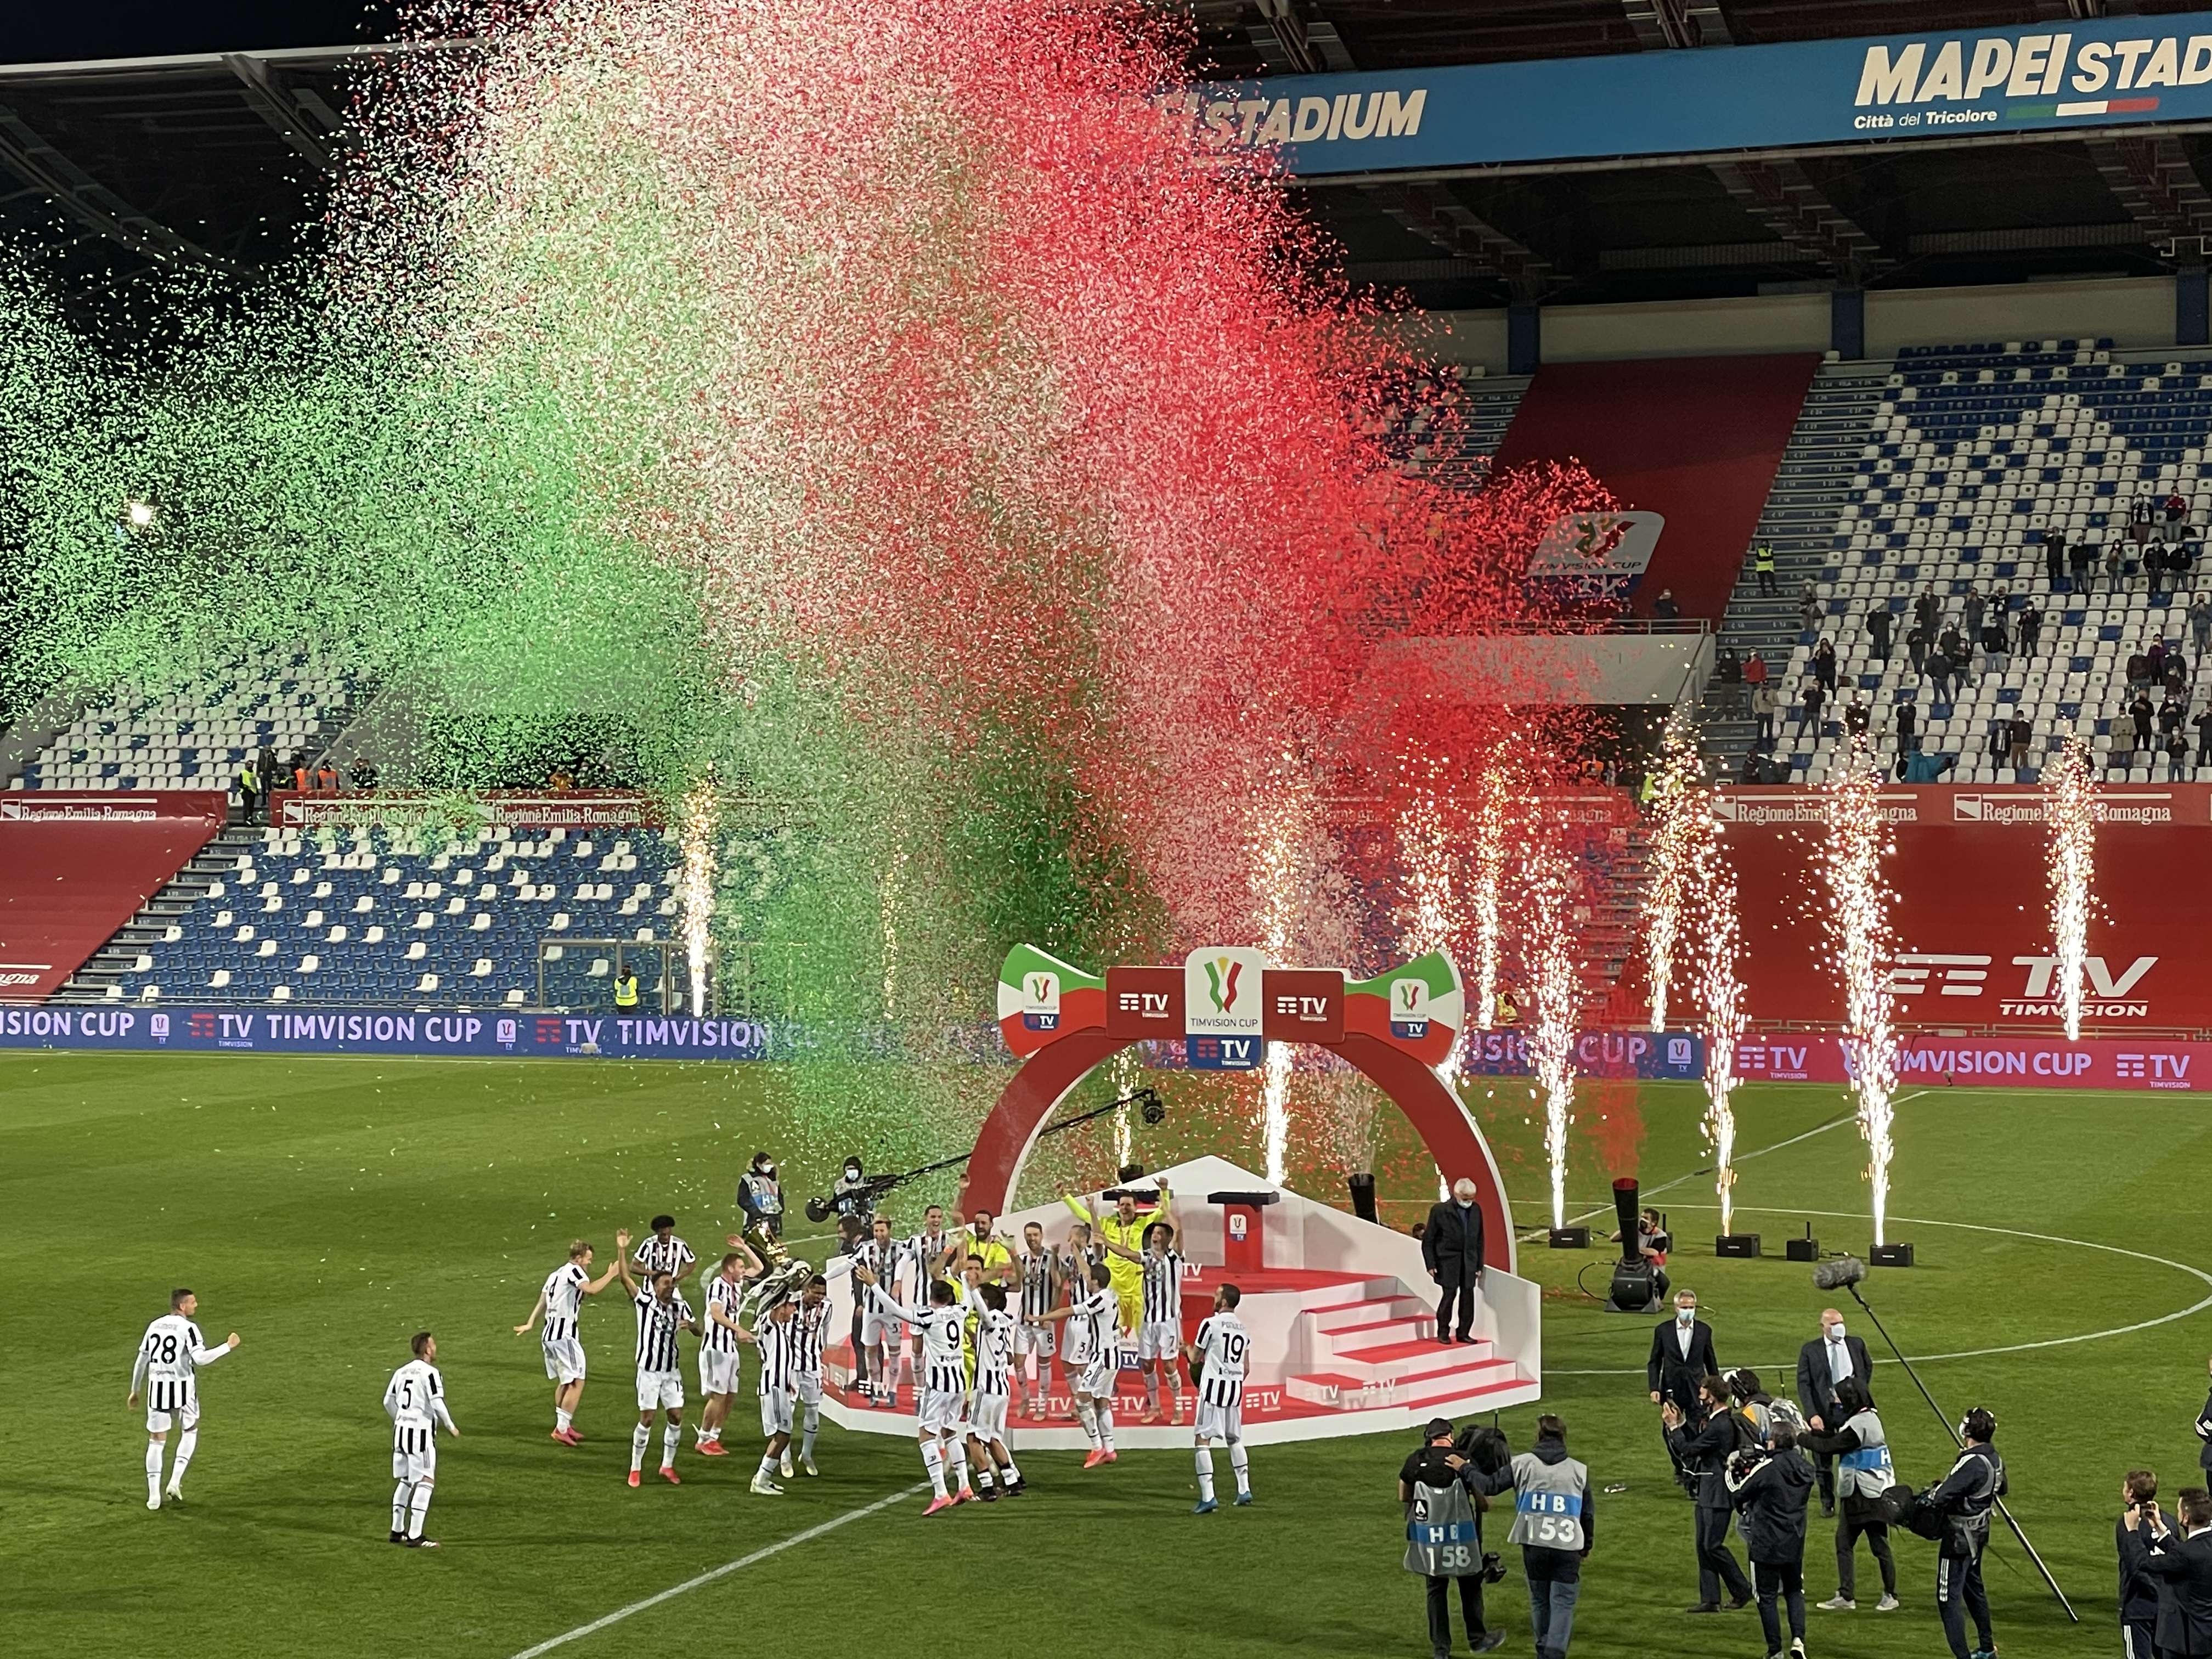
(1222, 974)
(1221, 1000)
(1041, 1001)
(1409, 1008)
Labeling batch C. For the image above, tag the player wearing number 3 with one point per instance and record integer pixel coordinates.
(1217, 1355)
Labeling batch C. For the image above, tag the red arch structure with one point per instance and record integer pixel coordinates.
(1045, 1079)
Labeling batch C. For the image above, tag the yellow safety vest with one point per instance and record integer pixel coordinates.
(626, 991)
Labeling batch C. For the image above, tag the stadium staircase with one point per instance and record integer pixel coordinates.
(160, 922)
(1484, 407)
(1963, 459)
(1366, 1343)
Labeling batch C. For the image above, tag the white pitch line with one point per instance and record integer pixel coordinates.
(722, 1572)
(1669, 1185)
(2195, 1307)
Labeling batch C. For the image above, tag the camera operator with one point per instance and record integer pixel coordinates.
(2182, 1569)
(1704, 1452)
(1681, 1358)
(1772, 1486)
(760, 1196)
(853, 1194)
(1822, 1363)
(1555, 1524)
(1863, 1472)
(1443, 1535)
(1964, 1501)
(2131, 1534)
(1750, 1400)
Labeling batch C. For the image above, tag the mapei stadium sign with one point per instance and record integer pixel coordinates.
(2059, 75)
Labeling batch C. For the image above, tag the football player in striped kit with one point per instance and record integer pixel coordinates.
(664, 1252)
(881, 1333)
(560, 1301)
(810, 1327)
(1094, 1358)
(1217, 1353)
(718, 1347)
(166, 1369)
(776, 1334)
(661, 1313)
(414, 1401)
(1159, 1326)
(942, 1420)
(987, 1413)
(1038, 1270)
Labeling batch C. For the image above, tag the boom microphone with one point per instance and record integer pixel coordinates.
(1839, 1275)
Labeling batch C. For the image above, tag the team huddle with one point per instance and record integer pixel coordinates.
(975, 1322)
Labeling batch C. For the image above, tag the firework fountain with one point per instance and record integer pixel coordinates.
(2071, 812)
(1720, 995)
(696, 885)
(1858, 927)
(1555, 1003)
(1683, 826)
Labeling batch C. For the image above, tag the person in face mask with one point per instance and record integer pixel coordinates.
(1822, 1363)
(1681, 1358)
(853, 1194)
(760, 1196)
(1855, 1436)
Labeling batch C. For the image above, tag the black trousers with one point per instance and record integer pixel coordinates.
(1959, 1595)
(1781, 1582)
(1715, 1563)
(1454, 1285)
(2138, 1639)
(1849, 1530)
(1470, 1607)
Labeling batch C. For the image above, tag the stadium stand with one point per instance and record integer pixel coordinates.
(1947, 474)
(1483, 408)
(192, 733)
(356, 916)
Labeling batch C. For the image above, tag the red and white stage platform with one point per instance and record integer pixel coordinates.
(1341, 1312)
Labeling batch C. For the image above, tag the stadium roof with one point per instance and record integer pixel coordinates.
(133, 164)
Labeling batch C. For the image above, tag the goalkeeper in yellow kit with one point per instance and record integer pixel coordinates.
(1124, 1227)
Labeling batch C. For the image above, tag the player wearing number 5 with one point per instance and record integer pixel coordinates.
(1554, 1524)
(415, 1400)
(1217, 1355)
(169, 1356)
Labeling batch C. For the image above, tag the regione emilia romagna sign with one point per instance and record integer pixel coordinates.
(2056, 75)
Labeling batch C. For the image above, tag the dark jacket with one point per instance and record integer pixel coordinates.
(2204, 1417)
(1667, 1367)
(2182, 1570)
(1452, 1244)
(1965, 1498)
(1772, 1499)
(1816, 1396)
(1490, 1483)
(1704, 1452)
(1838, 1443)
(2138, 1589)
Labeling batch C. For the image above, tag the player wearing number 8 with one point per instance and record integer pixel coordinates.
(1555, 1527)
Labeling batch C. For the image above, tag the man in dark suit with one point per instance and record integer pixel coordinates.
(1451, 1246)
(1825, 1361)
(1701, 1448)
(1681, 1358)
(2204, 1418)
(2182, 1566)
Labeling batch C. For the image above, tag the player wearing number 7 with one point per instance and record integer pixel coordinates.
(169, 1356)
(1216, 1354)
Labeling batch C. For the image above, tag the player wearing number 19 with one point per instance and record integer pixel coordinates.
(169, 1356)
(415, 1400)
(1216, 1354)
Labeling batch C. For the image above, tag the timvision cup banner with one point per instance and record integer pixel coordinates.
(2059, 75)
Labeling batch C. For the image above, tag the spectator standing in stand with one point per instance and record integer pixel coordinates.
(2081, 564)
(1879, 624)
(273, 777)
(1915, 648)
(1908, 719)
(1762, 567)
(1824, 665)
(2139, 712)
(1755, 673)
(2203, 724)
(1810, 610)
(1939, 673)
(2030, 629)
(2177, 758)
(1976, 607)
(2113, 561)
(1727, 671)
(1925, 610)
(2176, 507)
(1809, 712)
(2018, 735)
(1856, 718)
(2054, 559)
(1996, 648)
(1664, 607)
(1764, 701)
(2200, 624)
(2171, 714)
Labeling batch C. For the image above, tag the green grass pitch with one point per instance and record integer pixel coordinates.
(327, 1208)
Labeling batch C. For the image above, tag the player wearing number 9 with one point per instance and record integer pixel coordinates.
(1554, 1524)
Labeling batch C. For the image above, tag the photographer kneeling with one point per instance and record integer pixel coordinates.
(1440, 1488)
(1864, 1473)
(1772, 1486)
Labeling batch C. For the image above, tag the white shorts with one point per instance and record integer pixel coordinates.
(1220, 1422)
(414, 1466)
(877, 1332)
(1035, 1339)
(718, 1372)
(988, 1420)
(775, 1413)
(808, 1388)
(656, 1389)
(165, 1400)
(564, 1360)
(943, 1413)
(1160, 1338)
(1096, 1379)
